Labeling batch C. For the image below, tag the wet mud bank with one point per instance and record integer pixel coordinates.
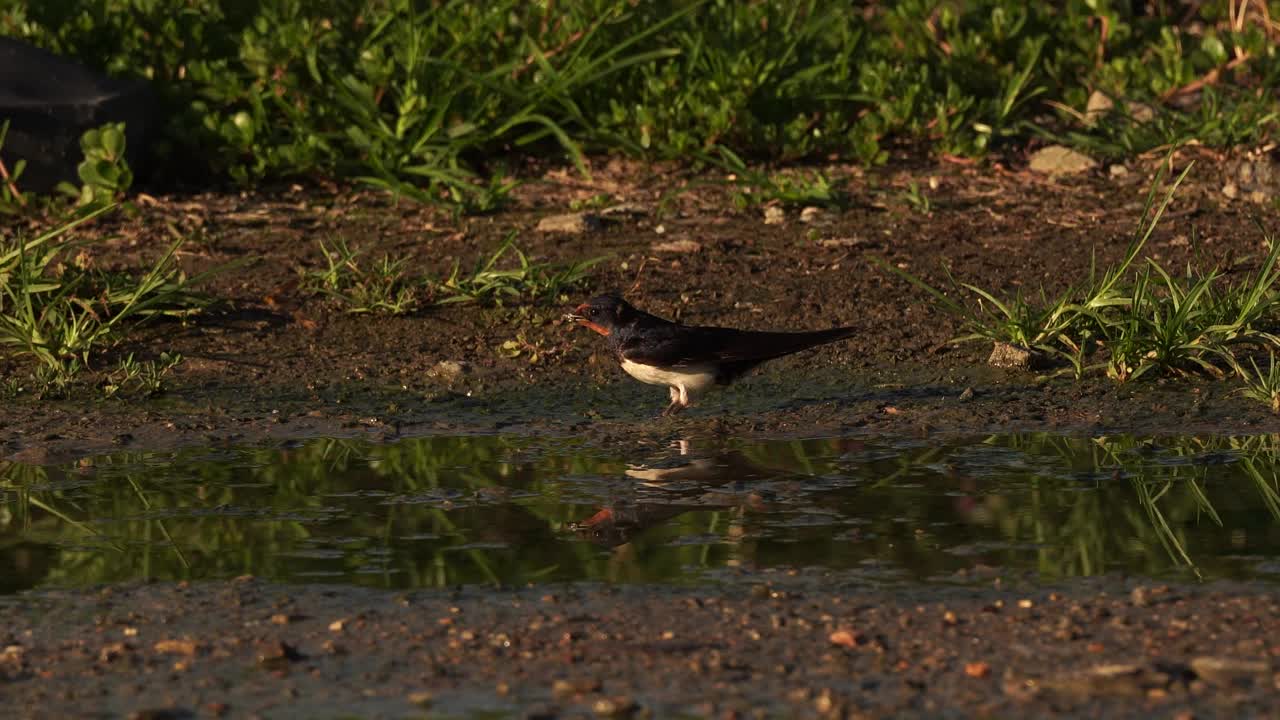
(811, 396)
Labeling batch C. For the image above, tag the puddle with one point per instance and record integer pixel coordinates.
(444, 511)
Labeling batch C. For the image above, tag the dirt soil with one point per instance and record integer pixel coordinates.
(273, 362)
(786, 647)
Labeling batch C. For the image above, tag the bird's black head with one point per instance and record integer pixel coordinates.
(602, 313)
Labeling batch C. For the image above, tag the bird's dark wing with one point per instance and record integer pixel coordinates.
(682, 346)
(667, 345)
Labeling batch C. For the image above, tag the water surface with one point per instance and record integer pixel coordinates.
(442, 511)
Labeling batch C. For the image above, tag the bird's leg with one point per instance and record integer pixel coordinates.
(678, 403)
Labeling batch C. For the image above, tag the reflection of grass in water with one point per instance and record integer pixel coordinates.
(214, 501)
(1150, 490)
(177, 550)
(19, 499)
(1266, 485)
(1077, 513)
(1066, 506)
(1170, 493)
(244, 511)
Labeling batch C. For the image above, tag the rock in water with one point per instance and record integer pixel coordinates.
(50, 101)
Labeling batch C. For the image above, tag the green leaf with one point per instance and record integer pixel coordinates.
(90, 172)
(90, 141)
(112, 138)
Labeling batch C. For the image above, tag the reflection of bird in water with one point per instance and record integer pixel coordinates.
(664, 492)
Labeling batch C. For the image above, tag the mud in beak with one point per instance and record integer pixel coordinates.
(578, 315)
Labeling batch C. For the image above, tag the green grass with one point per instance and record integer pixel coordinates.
(1263, 386)
(387, 286)
(527, 280)
(426, 99)
(62, 314)
(145, 378)
(380, 287)
(1136, 317)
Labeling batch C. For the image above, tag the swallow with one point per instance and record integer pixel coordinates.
(687, 359)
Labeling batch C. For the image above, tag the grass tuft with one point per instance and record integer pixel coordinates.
(526, 281)
(1136, 317)
(381, 287)
(1263, 386)
(63, 315)
(387, 286)
(143, 377)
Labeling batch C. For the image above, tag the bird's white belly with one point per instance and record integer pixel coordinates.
(691, 379)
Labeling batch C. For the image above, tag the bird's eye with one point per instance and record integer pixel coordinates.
(592, 312)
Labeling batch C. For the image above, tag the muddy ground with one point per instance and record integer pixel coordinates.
(763, 647)
(271, 362)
